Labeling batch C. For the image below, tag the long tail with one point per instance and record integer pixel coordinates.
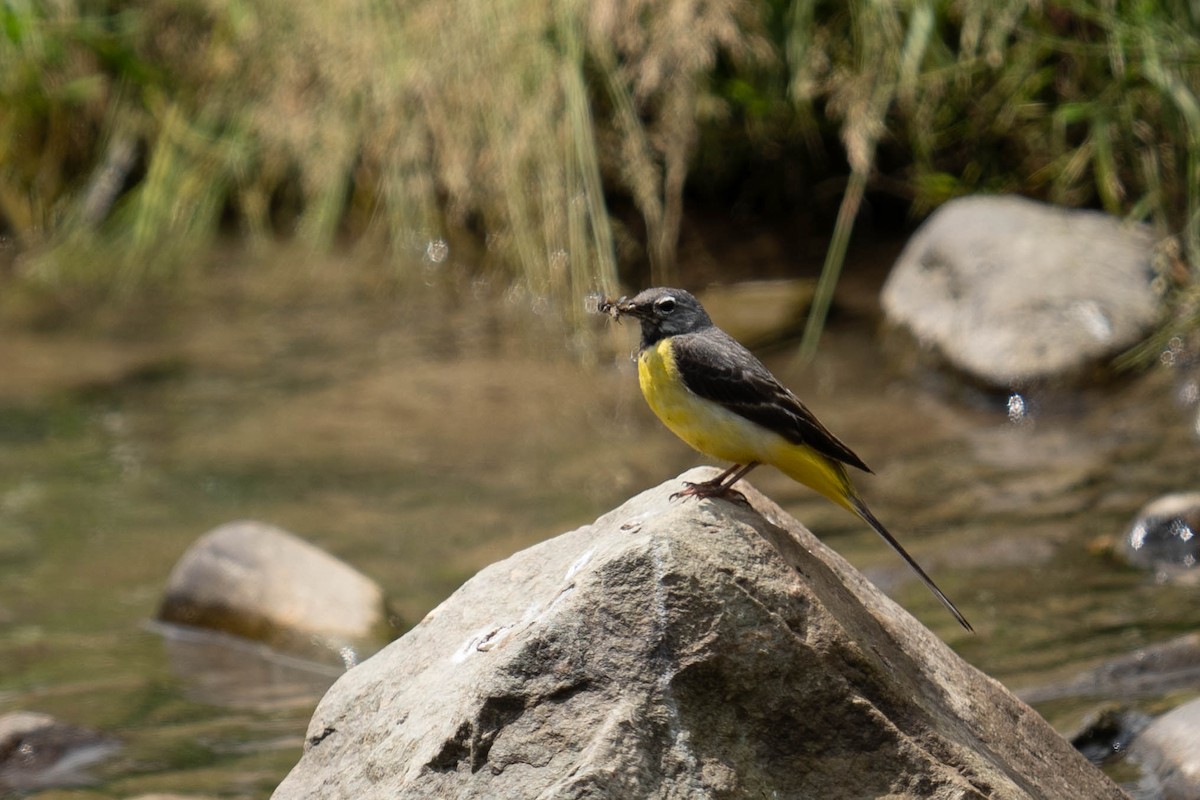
(860, 508)
(829, 477)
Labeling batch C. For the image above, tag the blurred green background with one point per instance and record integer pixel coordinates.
(566, 139)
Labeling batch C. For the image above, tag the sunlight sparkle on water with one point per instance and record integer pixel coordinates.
(1016, 408)
(349, 656)
(437, 251)
(1170, 355)
(1137, 538)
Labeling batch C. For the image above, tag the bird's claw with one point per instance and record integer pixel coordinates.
(707, 489)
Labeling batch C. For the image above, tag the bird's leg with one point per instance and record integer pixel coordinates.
(705, 488)
(720, 486)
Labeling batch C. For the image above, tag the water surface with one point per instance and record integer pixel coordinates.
(421, 431)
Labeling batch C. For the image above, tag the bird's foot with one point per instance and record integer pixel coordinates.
(715, 488)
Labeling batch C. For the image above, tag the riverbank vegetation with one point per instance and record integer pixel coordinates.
(565, 140)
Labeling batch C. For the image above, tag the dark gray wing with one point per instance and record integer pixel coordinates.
(718, 368)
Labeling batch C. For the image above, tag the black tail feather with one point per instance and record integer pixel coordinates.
(864, 512)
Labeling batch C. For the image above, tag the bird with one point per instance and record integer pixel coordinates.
(716, 396)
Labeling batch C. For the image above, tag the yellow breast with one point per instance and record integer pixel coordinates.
(701, 423)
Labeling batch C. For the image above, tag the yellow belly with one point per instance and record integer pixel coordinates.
(722, 434)
(704, 425)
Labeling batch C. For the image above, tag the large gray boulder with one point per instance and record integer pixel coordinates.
(1011, 291)
(685, 649)
(260, 582)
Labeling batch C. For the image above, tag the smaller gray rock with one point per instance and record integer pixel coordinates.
(1165, 535)
(260, 582)
(1011, 291)
(1106, 733)
(1169, 752)
(37, 752)
(1170, 666)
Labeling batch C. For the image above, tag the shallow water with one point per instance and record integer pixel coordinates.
(422, 432)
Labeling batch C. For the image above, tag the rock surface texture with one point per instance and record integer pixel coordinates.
(1169, 750)
(261, 582)
(1011, 291)
(678, 649)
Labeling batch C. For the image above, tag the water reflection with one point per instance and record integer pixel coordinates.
(230, 672)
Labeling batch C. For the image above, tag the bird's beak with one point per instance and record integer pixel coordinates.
(628, 308)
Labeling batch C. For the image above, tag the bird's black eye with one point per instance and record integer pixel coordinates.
(664, 305)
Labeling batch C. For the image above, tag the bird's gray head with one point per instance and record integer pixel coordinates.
(665, 312)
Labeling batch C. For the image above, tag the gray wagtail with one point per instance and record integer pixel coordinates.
(716, 396)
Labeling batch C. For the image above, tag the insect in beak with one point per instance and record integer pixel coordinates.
(612, 307)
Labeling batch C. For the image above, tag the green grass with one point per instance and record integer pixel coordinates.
(131, 136)
(1079, 103)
